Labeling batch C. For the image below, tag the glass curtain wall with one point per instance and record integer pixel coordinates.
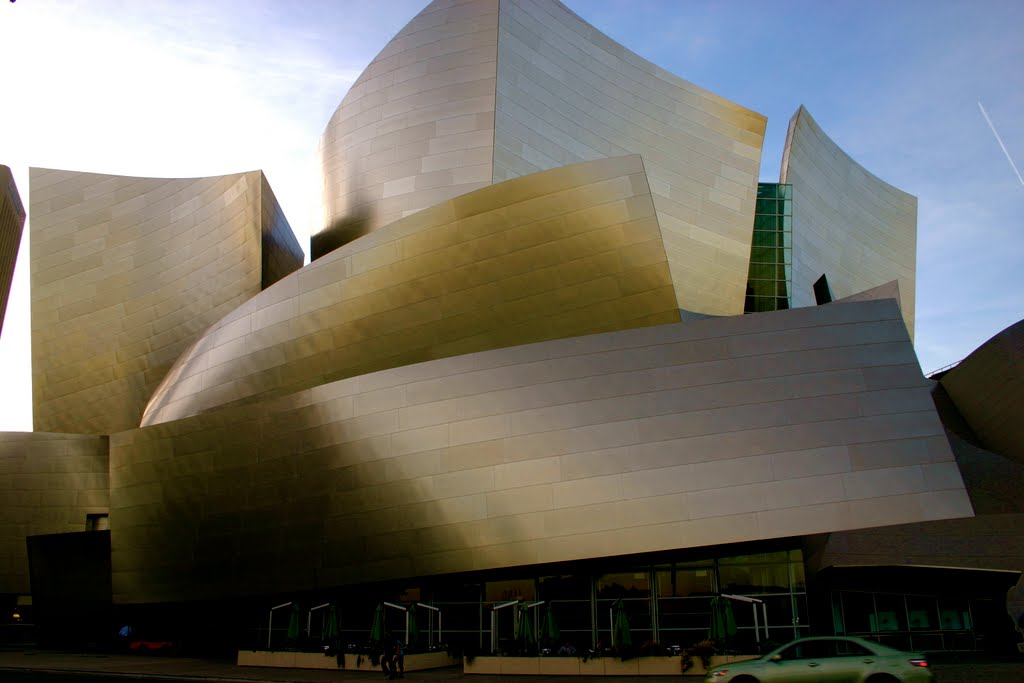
(769, 280)
(914, 622)
(666, 603)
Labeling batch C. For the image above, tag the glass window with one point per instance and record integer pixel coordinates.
(858, 612)
(572, 615)
(954, 615)
(684, 613)
(565, 588)
(626, 585)
(799, 581)
(890, 613)
(456, 592)
(922, 614)
(752, 579)
(848, 648)
(684, 582)
(503, 591)
(463, 616)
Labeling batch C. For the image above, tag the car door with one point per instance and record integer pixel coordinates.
(851, 661)
(803, 662)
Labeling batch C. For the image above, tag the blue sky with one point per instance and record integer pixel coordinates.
(201, 87)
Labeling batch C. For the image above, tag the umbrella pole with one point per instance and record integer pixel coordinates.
(407, 626)
(270, 622)
(611, 625)
(757, 628)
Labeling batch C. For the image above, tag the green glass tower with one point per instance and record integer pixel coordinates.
(770, 278)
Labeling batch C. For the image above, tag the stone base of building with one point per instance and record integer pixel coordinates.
(347, 662)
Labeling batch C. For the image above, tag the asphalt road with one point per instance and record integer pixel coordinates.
(960, 672)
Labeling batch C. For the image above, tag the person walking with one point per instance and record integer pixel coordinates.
(399, 660)
(387, 658)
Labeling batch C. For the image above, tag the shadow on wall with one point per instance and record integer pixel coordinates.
(339, 233)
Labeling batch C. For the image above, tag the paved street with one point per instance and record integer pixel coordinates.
(38, 666)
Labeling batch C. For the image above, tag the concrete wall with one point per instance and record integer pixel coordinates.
(847, 224)
(126, 272)
(566, 93)
(571, 251)
(48, 484)
(683, 435)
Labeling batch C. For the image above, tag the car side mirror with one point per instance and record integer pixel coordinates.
(775, 658)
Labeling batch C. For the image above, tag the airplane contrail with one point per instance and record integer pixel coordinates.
(1000, 141)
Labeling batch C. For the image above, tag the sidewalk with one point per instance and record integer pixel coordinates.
(185, 669)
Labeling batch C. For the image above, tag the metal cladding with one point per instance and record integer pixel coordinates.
(993, 539)
(571, 251)
(126, 272)
(849, 225)
(987, 389)
(519, 342)
(417, 126)
(566, 92)
(673, 436)
(12, 222)
(51, 483)
(484, 91)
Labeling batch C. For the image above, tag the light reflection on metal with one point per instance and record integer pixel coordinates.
(126, 272)
(572, 251)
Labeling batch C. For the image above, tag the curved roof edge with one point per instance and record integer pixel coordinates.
(804, 116)
(570, 251)
(987, 389)
(869, 225)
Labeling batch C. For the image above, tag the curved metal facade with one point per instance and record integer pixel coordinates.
(566, 92)
(848, 224)
(672, 436)
(12, 222)
(51, 482)
(126, 273)
(987, 388)
(417, 126)
(489, 90)
(571, 251)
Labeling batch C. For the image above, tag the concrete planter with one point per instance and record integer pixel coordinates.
(350, 662)
(598, 666)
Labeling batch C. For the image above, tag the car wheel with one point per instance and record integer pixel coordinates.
(882, 678)
(745, 679)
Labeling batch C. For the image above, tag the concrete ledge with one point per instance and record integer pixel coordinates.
(599, 666)
(350, 662)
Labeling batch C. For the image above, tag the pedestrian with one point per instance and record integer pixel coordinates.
(387, 658)
(399, 660)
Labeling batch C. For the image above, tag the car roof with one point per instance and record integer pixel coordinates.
(872, 645)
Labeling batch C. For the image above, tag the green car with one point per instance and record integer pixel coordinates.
(828, 660)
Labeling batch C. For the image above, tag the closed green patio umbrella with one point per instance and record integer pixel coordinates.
(524, 629)
(377, 630)
(621, 635)
(549, 631)
(294, 625)
(723, 622)
(331, 627)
